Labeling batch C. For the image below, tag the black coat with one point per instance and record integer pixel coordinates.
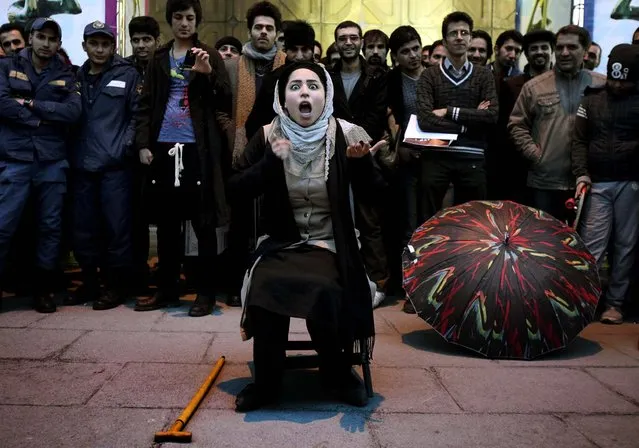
(367, 104)
(210, 103)
(262, 173)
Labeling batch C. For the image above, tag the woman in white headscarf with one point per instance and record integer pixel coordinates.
(308, 165)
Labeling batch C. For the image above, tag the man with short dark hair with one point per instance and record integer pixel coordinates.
(144, 34)
(437, 52)
(260, 56)
(593, 57)
(481, 48)
(183, 115)
(426, 55)
(543, 118)
(507, 52)
(363, 88)
(507, 168)
(456, 97)
(39, 101)
(317, 52)
(375, 48)
(229, 47)
(102, 163)
(12, 38)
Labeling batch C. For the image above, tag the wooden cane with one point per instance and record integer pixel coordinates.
(176, 433)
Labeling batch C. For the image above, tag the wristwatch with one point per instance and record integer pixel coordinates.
(28, 102)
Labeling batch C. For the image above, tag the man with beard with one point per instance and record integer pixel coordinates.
(260, 56)
(376, 48)
(426, 55)
(507, 52)
(593, 57)
(456, 97)
(102, 166)
(481, 48)
(229, 47)
(605, 161)
(507, 168)
(144, 32)
(12, 38)
(299, 40)
(363, 88)
(542, 121)
(39, 100)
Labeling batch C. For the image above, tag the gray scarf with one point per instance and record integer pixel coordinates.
(252, 53)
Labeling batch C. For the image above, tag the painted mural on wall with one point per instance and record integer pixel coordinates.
(614, 22)
(72, 15)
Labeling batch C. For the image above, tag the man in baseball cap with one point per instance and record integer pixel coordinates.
(98, 28)
(42, 23)
(605, 161)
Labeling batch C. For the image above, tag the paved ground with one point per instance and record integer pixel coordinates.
(84, 378)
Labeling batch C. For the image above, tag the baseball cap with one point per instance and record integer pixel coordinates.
(44, 22)
(97, 27)
(623, 63)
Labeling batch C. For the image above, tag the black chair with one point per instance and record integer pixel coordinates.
(361, 358)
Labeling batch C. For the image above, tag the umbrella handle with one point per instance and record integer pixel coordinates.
(571, 204)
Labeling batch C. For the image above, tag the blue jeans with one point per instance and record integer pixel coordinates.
(611, 218)
(47, 181)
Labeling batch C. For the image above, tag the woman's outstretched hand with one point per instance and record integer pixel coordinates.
(281, 148)
(360, 149)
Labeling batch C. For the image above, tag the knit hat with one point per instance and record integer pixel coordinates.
(229, 40)
(623, 63)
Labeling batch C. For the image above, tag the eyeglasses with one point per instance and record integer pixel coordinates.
(455, 33)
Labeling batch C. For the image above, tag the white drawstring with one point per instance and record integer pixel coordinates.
(176, 152)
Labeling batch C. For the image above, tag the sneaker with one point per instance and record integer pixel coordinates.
(378, 299)
(612, 315)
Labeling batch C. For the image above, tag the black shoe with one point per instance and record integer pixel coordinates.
(352, 391)
(203, 305)
(408, 307)
(85, 293)
(43, 303)
(159, 300)
(110, 299)
(234, 300)
(252, 398)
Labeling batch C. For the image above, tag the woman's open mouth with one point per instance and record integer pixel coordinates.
(306, 109)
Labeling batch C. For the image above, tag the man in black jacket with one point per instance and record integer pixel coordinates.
(181, 122)
(363, 88)
(144, 32)
(605, 161)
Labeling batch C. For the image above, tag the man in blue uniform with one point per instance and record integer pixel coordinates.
(38, 102)
(102, 163)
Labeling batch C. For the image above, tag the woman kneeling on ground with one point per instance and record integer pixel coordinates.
(308, 165)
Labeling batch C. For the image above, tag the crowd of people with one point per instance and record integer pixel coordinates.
(299, 155)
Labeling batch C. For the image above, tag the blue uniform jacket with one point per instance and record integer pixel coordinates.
(43, 128)
(106, 131)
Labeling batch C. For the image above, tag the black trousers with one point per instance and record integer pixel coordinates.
(553, 202)
(270, 334)
(170, 237)
(439, 169)
(140, 229)
(368, 219)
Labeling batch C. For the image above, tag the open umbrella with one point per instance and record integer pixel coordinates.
(502, 279)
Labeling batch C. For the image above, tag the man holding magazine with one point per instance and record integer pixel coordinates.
(455, 97)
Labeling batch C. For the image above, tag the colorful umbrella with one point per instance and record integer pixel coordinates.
(502, 279)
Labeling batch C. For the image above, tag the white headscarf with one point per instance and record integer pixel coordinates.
(310, 142)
